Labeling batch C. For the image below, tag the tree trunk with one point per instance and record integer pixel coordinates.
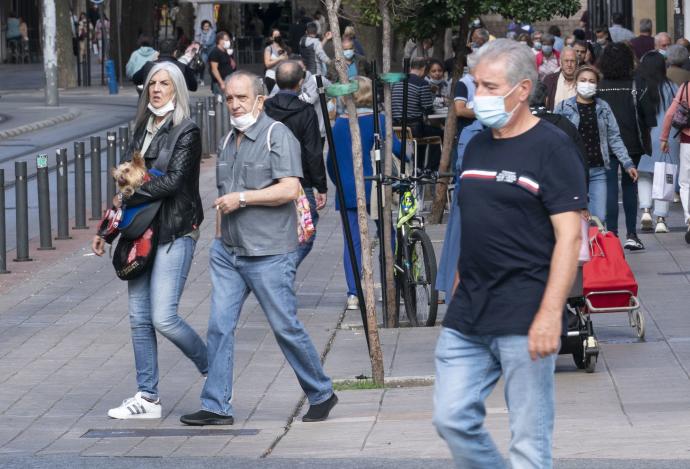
(67, 70)
(50, 57)
(388, 164)
(375, 353)
(450, 130)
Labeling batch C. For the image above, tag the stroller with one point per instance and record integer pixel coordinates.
(605, 284)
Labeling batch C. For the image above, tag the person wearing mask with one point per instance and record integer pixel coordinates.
(536, 41)
(207, 38)
(255, 250)
(221, 62)
(420, 102)
(522, 188)
(274, 53)
(357, 65)
(439, 85)
(480, 36)
(547, 58)
(644, 42)
(167, 51)
(154, 295)
(145, 53)
(350, 33)
(676, 56)
(617, 31)
(526, 40)
(342, 139)
(600, 134)
(300, 117)
(561, 85)
(603, 39)
(661, 42)
(652, 70)
(628, 99)
(558, 43)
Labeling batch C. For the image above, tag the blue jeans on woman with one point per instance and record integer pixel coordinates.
(467, 369)
(153, 302)
(629, 188)
(271, 279)
(347, 263)
(598, 182)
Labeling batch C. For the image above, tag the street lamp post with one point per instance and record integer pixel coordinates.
(50, 61)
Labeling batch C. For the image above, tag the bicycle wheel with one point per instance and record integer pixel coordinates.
(419, 292)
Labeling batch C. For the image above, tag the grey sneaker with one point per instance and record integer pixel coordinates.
(646, 220)
(352, 302)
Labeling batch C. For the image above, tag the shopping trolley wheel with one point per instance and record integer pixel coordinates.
(639, 324)
(590, 363)
(579, 355)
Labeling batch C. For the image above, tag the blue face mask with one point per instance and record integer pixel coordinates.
(349, 53)
(491, 110)
(663, 52)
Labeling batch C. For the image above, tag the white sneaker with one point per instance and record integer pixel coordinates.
(661, 226)
(352, 302)
(676, 198)
(136, 408)
(646, 221)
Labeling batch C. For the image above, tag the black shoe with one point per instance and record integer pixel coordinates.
(204, 417)
(633, 243)
(319, 412)
(687, 235)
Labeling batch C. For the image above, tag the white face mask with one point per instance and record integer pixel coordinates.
(586, 89)
(245, 121)
(163, 110)
(226, 44)
(230, 51)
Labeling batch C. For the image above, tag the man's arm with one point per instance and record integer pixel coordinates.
(461, 109)
(284, 191)
(216, 74)
(545, 331)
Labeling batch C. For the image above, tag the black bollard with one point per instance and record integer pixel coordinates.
(225, 117)
(212, 139)
(201, 122)
(96, 194)
(43, 187)
(123, 134)
(218, 107)
(3, 226)
(62, 195)
(21, 200)
(111, 156)
(79, 187)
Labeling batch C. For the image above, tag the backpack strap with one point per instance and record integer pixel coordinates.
(268, 135)
(173, 136)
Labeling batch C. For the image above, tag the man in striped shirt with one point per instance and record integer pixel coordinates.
(420, 101)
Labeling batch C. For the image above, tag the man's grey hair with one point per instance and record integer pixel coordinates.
(180, 96)
(660, 36)
(288, 75)
(676, 54)
(418, 63)
(646, 25)
(546, 37)
(569, 50)
(483, 33)
(518, 57)
(472, 61)
(258, 87)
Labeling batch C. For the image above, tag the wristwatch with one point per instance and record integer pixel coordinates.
(243, 201)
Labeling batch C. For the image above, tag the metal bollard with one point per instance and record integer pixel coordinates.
(212, 139)
(111, 156)
(96, 193)
(218, 105)
(62, 195)
(79, 187)
(21, 200)
(123, 134)
(43, 187)
(3, 226)
(201, 118)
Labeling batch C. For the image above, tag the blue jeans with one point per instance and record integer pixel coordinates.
(347, 263)
(153, 301)
(467, 369)
(304, 249)
(598, 180)
(629, 188)
(271, 279)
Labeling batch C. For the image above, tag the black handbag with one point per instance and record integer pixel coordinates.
(136, 249)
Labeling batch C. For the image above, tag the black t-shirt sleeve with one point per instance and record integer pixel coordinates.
(461, 92)
(562, 180)
(213, 56)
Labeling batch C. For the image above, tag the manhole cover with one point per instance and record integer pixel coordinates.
(146, 432)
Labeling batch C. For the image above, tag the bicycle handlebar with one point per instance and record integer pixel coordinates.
(425, 178)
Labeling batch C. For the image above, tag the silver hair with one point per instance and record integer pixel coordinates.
(568, 49)
(646, 25)
(181, 95)
(258, 86)
(660, 35)
(676, 54)
(472, 61)
(518, 57)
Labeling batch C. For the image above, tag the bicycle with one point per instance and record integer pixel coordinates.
(415, 261)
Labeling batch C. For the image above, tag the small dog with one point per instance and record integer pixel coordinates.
(130, 175)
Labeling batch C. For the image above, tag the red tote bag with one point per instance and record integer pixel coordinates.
(607, 271)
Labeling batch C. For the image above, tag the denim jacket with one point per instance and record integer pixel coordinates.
(609, 134)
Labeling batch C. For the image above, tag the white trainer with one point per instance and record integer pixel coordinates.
(352, 302)
(646, 221)
(137, 408)
(661, 226)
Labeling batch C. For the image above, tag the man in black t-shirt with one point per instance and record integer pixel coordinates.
(522, 190)
(221, 62)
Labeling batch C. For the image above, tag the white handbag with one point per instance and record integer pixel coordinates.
(664, 182)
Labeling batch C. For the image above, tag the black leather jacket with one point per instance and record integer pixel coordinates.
(181, 211)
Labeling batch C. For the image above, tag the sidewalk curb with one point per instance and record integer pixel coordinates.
(71, 113)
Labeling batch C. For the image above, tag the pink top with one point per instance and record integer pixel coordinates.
(666, 127)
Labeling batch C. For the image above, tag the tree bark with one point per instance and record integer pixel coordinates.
(450, 130)
(375, 353)
(67, 70)
(388, 165)
(50, 57)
